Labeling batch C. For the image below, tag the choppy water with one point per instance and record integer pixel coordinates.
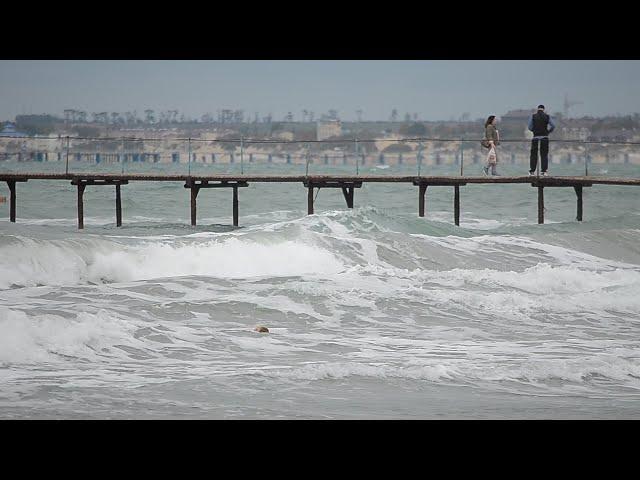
(373, 312)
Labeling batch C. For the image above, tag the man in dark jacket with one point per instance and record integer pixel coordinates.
(541, 125)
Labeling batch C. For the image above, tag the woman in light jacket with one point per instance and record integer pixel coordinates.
(492, 140)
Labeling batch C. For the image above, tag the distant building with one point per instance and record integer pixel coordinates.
(514, 123)
(517, 116)
(285, 135)
(9, 130)
(328, 128)
(612, 135)
(574, 133)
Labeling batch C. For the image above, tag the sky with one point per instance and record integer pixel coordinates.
(435, 90)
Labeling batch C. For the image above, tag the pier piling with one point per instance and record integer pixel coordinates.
(421, 199)
(196, 186)
(347, 184)
(348, 189)
(578, 189)
(12, 200)
(456, 204)
(310, 200)
(348, 196)
(81, 187)
(540, 204)
(194, 195)
(235, 206)
(118, 207)
(82, 183)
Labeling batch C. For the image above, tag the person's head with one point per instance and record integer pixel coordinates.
(541, 107)
(491, 120)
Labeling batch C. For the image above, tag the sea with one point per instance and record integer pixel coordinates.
(372, 312)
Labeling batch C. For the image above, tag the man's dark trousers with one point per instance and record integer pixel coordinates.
(544, 154)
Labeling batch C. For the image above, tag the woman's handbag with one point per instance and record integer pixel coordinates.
(492, 158)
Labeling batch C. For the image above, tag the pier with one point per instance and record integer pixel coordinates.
(347, 184)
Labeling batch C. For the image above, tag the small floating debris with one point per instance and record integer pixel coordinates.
(261, 329)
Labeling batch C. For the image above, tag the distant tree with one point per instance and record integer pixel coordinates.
(229, 146)
(305, 136)
(397, 148)
(87, 131)
(104, 119)
(149, 116)
(36, 124)
(227, 116)
(416, 129)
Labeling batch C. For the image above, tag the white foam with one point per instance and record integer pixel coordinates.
(46, 338)
(31, 262)
(337, 370)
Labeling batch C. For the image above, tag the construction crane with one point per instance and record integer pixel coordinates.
(569, 103)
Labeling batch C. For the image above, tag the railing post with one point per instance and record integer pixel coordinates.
(419, 157)
(357, 160)
(189, 156)
(123, 154)
(307, 158)
(461, 157)
(538, 162)
(66, 171)
(586, 160)
(241, 154)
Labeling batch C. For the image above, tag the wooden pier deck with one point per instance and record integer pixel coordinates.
(347, 183)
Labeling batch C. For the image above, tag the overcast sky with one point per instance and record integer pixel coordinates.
(436, 90)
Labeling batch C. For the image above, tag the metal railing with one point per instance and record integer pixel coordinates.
(424, 155)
